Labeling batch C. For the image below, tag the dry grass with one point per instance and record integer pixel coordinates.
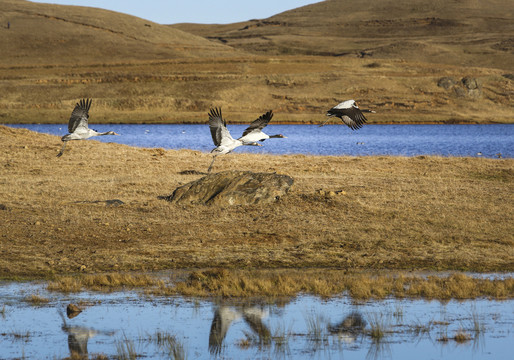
(104, 282)
(37, 300)
(290, 282)
(423, 213)
(277, 283)
(138, 71)
(298, 89)
(450, 32)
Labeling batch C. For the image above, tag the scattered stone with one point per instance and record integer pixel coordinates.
(114, 202)
(446, 82)
(467, 87)
(330, 193)
(72, 311)
(233, 188)
(192, 172)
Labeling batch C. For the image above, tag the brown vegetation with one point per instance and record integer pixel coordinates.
(457, 32)
(395, 213)
(279, 283)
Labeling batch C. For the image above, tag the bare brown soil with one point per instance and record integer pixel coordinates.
(373, 213)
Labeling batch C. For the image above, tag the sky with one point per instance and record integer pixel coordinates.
(195, 11)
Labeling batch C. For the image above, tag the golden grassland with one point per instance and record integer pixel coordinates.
(299, 89)
(458, 32)
(393, 214)
(388, 57)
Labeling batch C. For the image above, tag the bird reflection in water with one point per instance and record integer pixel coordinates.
(225, 315)
(78, 337)
(349, 328)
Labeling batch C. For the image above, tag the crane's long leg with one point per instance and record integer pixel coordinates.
(212, 163)
(324, 122)
(62, 149)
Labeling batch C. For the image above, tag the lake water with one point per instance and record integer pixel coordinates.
(119, 324)
(405, 140)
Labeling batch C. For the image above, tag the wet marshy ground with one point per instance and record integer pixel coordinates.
(34, 325)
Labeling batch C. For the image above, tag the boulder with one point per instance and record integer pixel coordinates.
(233, 188)
(446, 82)
(467, 87)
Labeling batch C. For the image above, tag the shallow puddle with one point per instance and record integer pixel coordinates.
(34, 325)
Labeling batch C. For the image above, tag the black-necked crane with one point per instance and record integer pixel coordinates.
(349, 113)
(254, 132)
(78, 125)
(221, 136)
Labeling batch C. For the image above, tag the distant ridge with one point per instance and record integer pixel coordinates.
(55, 34)
(457, 32)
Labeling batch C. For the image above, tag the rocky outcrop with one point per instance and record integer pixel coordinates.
(467, 87)
(233, 188)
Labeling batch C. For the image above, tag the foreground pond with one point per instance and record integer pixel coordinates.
(405, 140)
(34, 325)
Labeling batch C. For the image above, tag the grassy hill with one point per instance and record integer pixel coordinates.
(401, 59)
(54, 34)
(457, 32)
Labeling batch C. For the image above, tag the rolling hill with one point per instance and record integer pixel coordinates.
(410, 61)
(457, 32)
(55, 34)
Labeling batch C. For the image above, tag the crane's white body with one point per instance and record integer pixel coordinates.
(78, 125)
(221, 137)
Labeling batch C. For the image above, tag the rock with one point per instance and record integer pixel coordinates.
(72, 311)
(473, 86)
(508, 76)
(467, 87)
(233, 188)
(3, 207)
(114, 202)
(446, 82)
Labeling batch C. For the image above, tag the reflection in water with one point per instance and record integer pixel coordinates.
(246, 331)
(78, 337)
(349, 328)
(224, 316)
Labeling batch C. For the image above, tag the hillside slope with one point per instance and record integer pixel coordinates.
(457, 32)
(54, 34)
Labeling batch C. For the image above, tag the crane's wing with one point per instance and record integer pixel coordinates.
(256, 324)
(218, 127)
(79, 115)
(259, 124)
(352, 116)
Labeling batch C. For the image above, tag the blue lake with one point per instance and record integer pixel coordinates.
(123, 325)
(403, 140)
